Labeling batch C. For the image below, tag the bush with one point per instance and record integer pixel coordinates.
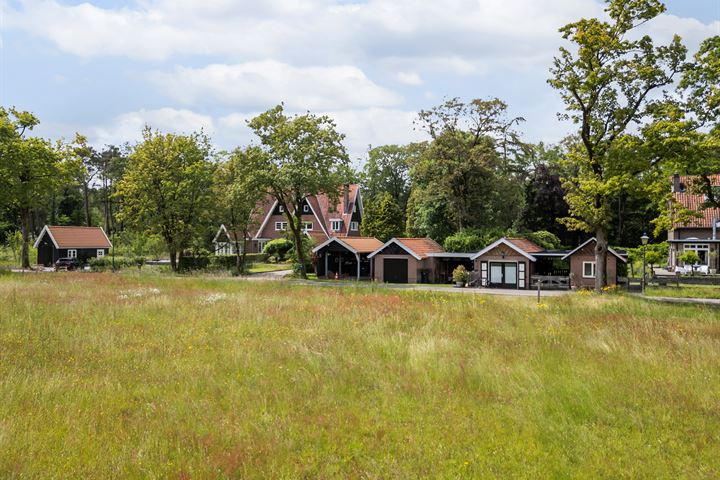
(545, 239)
(280, 248)
(105, 263)
(193, 263)
(460, 274)
(307, 245)
(471, 240)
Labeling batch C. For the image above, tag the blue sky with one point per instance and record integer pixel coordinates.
(105, 68)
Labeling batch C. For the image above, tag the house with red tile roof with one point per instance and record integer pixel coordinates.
(699, 234)
(82, 243)
(323, 218)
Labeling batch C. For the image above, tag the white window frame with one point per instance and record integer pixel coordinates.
(281, 209)
(306, 208)
(354, 207)
(354, 226)
(72, 253)
(592, 269)
(281, 226)
(307, 226)
(697, 248)
(100, 252)
(336, 224)
(261, 245)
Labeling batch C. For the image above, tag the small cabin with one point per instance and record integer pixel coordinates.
(82, 243)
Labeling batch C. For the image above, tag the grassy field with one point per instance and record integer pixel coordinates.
(685, 291)
(268, 267)
(107, 376)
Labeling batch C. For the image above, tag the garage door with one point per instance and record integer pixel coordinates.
(395, 270)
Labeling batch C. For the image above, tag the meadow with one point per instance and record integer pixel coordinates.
(150, 376)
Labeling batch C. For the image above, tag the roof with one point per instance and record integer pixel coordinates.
(582, 245)
(694, 202)
(420, 248)
(354, 244)
(323, 208)
(525, 245)
(517, 244)
(75, 237)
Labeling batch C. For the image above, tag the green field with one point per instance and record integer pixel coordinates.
(107, 376)
(685, 291)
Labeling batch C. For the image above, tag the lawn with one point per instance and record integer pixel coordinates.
(268, 267)
(685, 291)
(107, 376)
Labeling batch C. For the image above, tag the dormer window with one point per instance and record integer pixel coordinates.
(336, 225)
(306, 208)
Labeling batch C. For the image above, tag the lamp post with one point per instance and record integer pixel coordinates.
(644, 239)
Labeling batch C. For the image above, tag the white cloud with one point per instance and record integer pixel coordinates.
(267, 83)
(128, 127)
(409, 78)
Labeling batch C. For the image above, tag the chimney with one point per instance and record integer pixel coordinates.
(346, 197)
(676, 183)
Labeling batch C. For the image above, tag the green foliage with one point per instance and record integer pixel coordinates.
(460, 274)
(138, 244)
(471, 240)
(166, 188)
(605, 84)
(280, 248)
(306, 256)
(383, 218)
(545, 239)
(102, 264)
(387, 170)
(690, 257)
(298, 157)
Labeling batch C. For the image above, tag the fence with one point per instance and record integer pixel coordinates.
(550, 282)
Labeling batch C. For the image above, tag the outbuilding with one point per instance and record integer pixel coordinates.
(582, 265)
(507, 263)
(345, 257)
(82, 243)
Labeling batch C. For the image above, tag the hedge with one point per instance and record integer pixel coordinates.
(216, 262)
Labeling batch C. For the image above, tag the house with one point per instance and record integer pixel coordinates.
(515, 262)
(83, 243)
(322, 217)
(583, 265)
(699, 234)
(345, 257)
(415, 260)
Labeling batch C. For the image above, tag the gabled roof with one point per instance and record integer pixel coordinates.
(419, 248)
(75, 237)
(353, 244)
(582, 245)
(510, 243)
(526, 245)
(694, 202)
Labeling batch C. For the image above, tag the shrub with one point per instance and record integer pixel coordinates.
(193, 263)
(307, 245)
(460, 274)
(280, 248)
(545, 239)
(465, 241)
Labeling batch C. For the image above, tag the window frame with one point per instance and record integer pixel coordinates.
(282, 226)
(72, 253)
(100, 253)
(336, 224)
(307, 226)
(593, 269)
(354, 226)
(306, 208)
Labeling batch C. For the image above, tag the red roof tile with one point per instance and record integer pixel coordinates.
(421, 246)
(362, 244)
(526, 245)
(694, 202)
(79, 237)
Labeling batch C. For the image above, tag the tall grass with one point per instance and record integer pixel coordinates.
(106, 376)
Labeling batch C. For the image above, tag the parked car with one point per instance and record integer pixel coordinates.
(67, 264)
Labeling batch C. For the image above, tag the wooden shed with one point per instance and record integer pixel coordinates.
(83, 243)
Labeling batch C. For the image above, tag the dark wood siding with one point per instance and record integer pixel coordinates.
(395, 270)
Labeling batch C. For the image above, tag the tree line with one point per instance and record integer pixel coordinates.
(642, 111)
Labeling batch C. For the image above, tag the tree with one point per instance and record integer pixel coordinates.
(388, 170)
(691, 258)
(238, 192)
(605, 85)
(298, 157)
(167, 188)
(383, 218)
(29, 169)
(85, 158)
(110, 165)
(545, 202)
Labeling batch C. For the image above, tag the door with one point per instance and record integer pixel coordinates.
(503, 274)
(395, 270)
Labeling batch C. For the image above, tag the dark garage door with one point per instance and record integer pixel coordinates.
(395, 270)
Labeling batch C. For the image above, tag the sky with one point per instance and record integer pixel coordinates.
(106, 68)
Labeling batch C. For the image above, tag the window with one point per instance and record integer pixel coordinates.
(307, 226)
(281, 209)
(354, 226)
(280, 226)
(702, 250)
(72, 253)
(355, 207)
(306, 208)
(588, 269)
(100, 252)
(261, 245)
(336, 225)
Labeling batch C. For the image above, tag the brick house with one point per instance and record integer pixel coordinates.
(582, 264)
(322, 219)
(699, 234)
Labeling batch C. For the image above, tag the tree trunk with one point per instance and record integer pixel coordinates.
(86, 199)
(25, 249)
(239, 257)
(601, 247)
(173, 259)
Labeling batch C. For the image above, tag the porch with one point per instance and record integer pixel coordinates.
(345, 258)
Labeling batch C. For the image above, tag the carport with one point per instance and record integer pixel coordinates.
(345, 257)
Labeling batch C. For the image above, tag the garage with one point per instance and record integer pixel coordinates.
(396, 270)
